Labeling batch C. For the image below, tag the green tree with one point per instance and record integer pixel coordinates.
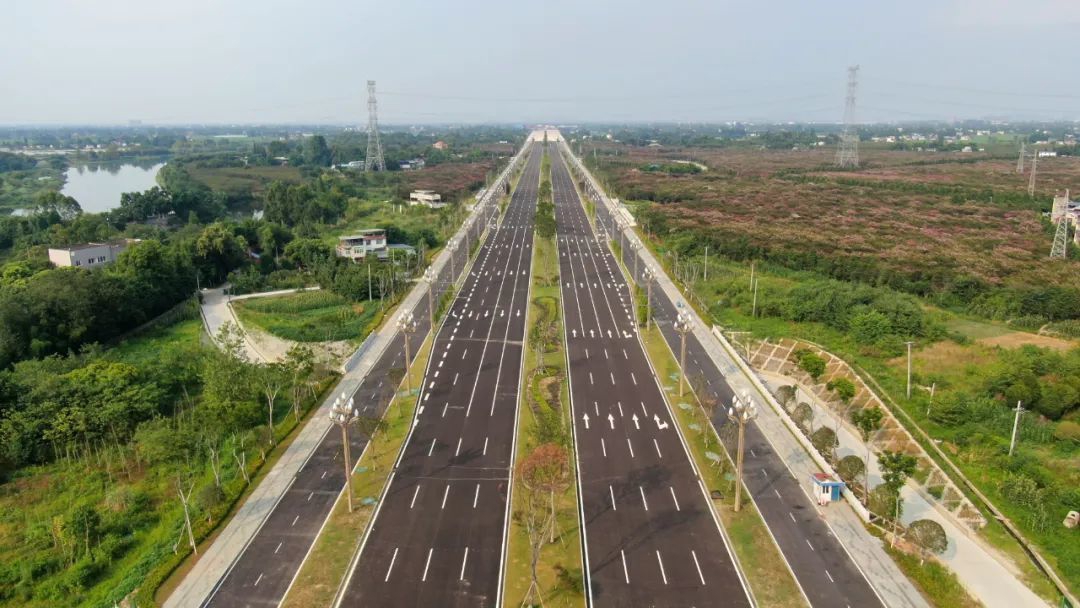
(811, 363)
(896, 467)
(825, 442)
(55, 206)
(869, 326)
(850, 468)
(220, 251)
(316, 152)
(868, 420)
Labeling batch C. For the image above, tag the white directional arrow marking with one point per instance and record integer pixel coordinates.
(659, 425)
(611, 420)
(592, 334)
(609, 333)
(636, 425)
(586, 419)
(574, 332)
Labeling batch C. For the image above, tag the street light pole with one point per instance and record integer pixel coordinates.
(683, 326)
(634, 247)
(742, 410)
(451, 246)
(429, 277)
(407, 325)
(648, 276)
(343, 414)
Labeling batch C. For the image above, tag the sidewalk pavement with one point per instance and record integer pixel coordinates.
(215, 562)
(979, 569)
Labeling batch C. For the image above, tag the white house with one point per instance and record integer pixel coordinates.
(426, 197)
(89, 255)
(358, 246)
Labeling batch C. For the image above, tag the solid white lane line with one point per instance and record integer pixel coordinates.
(428, 564)
(432, 448)
(625, 572)
(464, 561)
(700, 575)
(393, 558)
(646, 412)
(257, 580)
(458, 450)
(643, 501)
(596, 409)
(445, 493)
(414, 495)
(612, 492)
(661, 562)
(603, 446)
(628, 444)
(586, 353)
(675, 499)
(657, 448)
(476, 496)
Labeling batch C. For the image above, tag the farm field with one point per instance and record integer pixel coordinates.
(926, 223)
(315, 316)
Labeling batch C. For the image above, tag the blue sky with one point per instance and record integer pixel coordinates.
(220, 61)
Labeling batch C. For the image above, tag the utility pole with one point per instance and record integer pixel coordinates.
(847, 155)
(742, 410)
(706, 271)
(1016, 426)
(343, 414)
(683, 326)
(751, 275)
(909, 343)
(753, 311)
(933, 387)
(407, 325)
(1034, 169)
(1020, 159)
(635, 246)
(1059, 215)
(374, 161)
(648, 276)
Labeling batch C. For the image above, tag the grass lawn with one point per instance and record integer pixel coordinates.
(314, 316)
(244, 179)
(559, 570)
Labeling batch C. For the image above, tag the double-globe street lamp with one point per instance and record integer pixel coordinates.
(342, 413)
(684, 325)
(648, 277)
(407, 324)
(742, 411)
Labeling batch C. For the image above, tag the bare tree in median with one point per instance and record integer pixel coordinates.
(543, 472)
(371, 427)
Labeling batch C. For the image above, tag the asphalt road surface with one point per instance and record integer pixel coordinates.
(266, 568)
(651, 538)
(823, 568)
(438, 538)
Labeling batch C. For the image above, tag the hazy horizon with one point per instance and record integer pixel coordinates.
(72, 63)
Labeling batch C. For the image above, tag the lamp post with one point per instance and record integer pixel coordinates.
(648, 276)
(343, 414)
(683, 326)
(407, 324)
(451, 246)
(742, 410)
(429, 278)
(635, 245)
(909, 343)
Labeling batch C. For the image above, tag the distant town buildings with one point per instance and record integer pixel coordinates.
(412, 165)
(89, 255)
(440, 145)
(359, 246)
(428, 198)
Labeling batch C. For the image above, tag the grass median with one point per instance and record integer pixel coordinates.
(544, 419)
(327, 565)
(761, 560)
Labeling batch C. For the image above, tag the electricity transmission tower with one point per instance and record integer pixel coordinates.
(374, 160)
(848, 153)
(1059, 215)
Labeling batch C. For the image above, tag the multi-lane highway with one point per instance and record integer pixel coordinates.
(438, 538)
(650, 535)
(823, 568)
(263, 572)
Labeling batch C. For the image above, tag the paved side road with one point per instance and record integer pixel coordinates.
(836, 565)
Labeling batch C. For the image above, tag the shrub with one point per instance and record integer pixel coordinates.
(850, 468)
(1067, 430)
(810, 363)
(825, 442)
(844, 389)
(928, 535)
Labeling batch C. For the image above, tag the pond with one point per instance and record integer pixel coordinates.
(98, 187)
